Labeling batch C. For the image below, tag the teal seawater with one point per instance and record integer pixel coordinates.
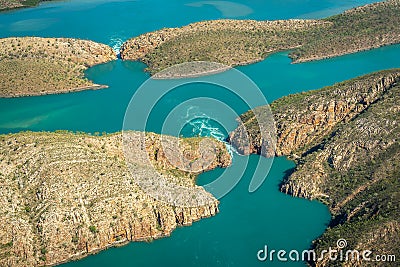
(245, 224)
(110, 21)
(247, 221)
(103, 110)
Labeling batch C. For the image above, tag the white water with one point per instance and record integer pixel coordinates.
(202, 125)
(116, 43)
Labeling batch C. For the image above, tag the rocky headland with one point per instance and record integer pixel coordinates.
(37, 66)
(344, 139)
(67, 195)
(238, 42)
(229, 42)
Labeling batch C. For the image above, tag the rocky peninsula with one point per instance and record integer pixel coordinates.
(66, 195)
(37, 66)
(238, 42)
(345, 141)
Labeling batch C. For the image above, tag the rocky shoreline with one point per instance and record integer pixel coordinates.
(239, 42)
(56, 65)
(73, 90)
(31, 66)
(65, 196)
(303, 120)
(355, 30)
(197, 36)
(138, 47)
(348, 52)
(344, 139)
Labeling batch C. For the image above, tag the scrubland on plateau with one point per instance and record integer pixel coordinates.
(38, 66)
(238, 42)
(65, 195)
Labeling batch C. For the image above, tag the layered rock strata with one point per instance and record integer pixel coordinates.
(64, 196)
(345, 141)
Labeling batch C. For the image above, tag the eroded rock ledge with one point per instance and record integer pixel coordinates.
(64, 195)
(238, 42)
(345, 141)
(303, 120)
(37, 66)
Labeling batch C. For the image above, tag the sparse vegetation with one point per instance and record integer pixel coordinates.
(237, 42)
(360, 179)
(93, 229)
(36, 66)
(304, 120)
(231, 42)
(61, 194)
(355, 30)
(344, 139)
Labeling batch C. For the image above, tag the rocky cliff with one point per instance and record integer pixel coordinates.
(304, 120)
(65, 195)
(356, 173)
(344, 139)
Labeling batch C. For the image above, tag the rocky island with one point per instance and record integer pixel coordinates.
(345, 141)
(66, 195)
(238, 42)
(37, 66)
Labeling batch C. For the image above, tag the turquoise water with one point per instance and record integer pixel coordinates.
(245, 224)
(103, 110)
(112, 21)
(247, 221)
